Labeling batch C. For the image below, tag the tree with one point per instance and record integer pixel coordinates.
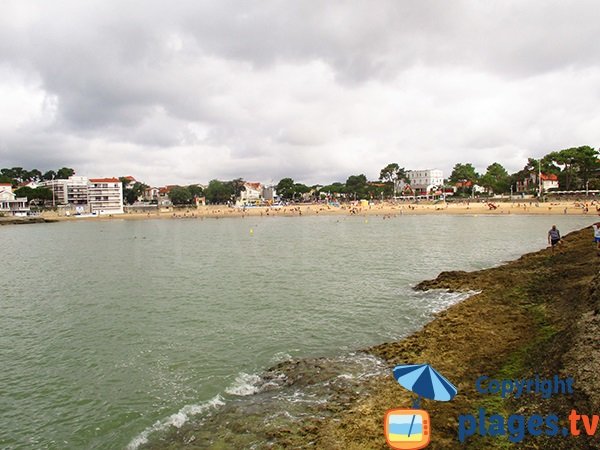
(462, 173)
(50, 175)
(18, 173)
(587, 163)
(466, 175)
(357, 186)
(8, 173)
(134, 193)
(285, 188)
(564, 160)
(577, 165)
(496, 179)
(6, 179)
(64, 173)
(180, 195)
(219, 191)
(334, 188)
(300, 189)
(392, 174)
(238, 186)
(25, 191)
(196, 190)
(34, 175)
(40, 193)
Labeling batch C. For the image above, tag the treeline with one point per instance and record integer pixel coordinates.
(217, 192)
(17, 176)
(576, 168)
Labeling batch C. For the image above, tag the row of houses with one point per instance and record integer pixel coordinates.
(426, 181)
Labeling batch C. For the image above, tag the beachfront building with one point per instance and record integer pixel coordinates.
(105, 196)
(70, 191)
(129, 182)
(151, 194)
(163, 195)
(269, 193)
(531, 183)
(252, 193)
(424, 181)
(10, 204)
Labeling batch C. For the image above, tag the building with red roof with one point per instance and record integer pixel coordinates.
(531, 183)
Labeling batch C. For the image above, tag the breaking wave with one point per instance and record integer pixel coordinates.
(176, 420)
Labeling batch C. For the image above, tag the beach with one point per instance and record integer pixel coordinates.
(537, 315)
(377, 209)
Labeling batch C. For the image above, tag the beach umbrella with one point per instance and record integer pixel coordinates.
(425, 381)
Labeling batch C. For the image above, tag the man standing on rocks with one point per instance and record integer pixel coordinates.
(553, 237)
(596, 227)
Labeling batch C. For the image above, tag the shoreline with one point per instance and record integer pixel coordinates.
(536, 325)
(385, 210)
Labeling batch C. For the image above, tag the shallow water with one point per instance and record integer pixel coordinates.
(112, 330)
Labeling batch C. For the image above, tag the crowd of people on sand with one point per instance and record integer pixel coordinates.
(374, 208)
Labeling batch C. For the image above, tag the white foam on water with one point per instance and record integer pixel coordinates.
(176, 420)
(280, 357)
(370, 365)
(441, 299)
(245, 384)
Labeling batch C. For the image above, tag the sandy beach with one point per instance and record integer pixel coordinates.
(380, 209)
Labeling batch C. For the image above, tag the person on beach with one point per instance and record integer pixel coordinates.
(596, 227)
(553, 237)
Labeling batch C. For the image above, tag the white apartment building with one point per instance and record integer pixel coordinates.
(105, 195)
(425, 180)
(10, 203)
(72, 191)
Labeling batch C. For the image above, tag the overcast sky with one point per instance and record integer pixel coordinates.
(186, 91)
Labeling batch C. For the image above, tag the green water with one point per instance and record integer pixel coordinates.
(108, 328)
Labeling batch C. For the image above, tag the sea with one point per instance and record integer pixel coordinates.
(115, 334)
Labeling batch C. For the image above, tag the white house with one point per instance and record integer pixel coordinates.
(424, 180)
(151, 194)
(105, 195)
(10, 203)
(549, 181)
(253, 192)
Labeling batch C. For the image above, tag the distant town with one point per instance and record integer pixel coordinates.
(570, 171)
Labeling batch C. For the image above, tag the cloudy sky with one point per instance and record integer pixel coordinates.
(187, 91)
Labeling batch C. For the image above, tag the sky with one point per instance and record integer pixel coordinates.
(188, 91)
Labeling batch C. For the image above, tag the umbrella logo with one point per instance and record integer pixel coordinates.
(410, 429)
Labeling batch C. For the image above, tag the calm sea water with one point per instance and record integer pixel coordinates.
(108, 329)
